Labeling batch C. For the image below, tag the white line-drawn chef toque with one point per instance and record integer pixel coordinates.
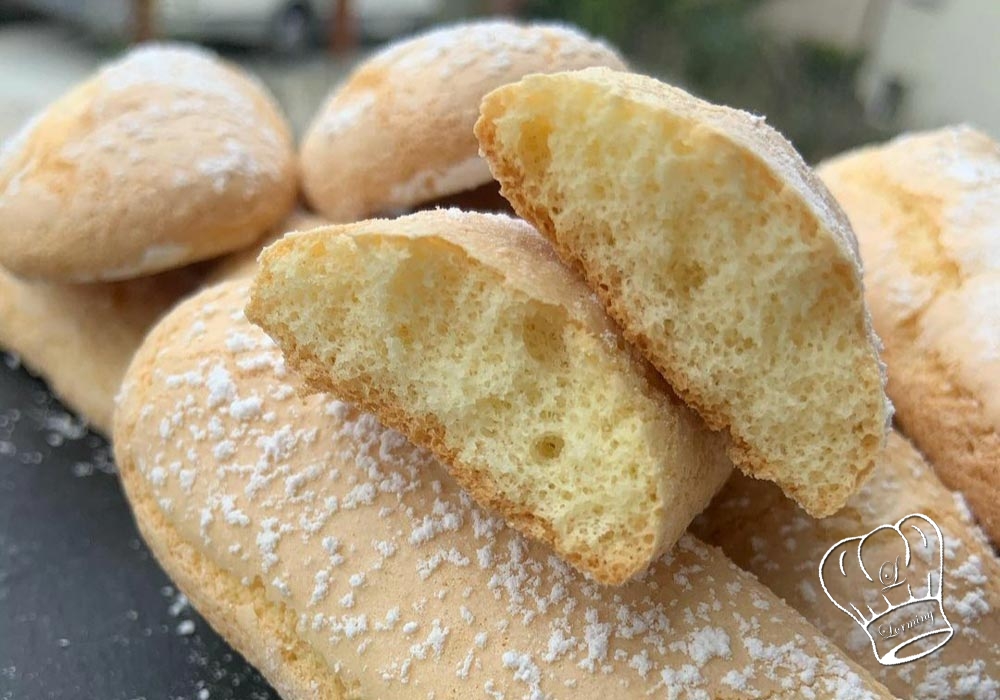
(889, 582)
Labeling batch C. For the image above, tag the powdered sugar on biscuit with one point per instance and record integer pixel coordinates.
(393, 570)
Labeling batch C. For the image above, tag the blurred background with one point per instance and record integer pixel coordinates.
(830, 74)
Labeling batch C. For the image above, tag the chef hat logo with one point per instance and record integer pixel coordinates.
(889, 581)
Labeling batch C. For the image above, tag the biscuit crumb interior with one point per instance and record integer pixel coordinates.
(554, 424)
(714, 269)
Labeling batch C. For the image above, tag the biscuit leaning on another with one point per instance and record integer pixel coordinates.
(720, 254)
(80, 338)
(926, 209)
(165, 157)
(346, 563)
(768, 535)
(398, 132)
(466, 333)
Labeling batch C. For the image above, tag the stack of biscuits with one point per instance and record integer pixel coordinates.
(563, 391)
(116, 196)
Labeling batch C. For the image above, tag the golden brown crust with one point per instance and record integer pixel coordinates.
(924, 207)
(398, 132)
(165, 157)
(949, 425)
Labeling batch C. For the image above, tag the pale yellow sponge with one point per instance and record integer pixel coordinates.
(722, 257)
(466, 333)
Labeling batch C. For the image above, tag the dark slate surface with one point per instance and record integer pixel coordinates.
(85, 611)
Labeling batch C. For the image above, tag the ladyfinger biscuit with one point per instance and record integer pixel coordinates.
(925, 207)
(166, 156)
(346, 563)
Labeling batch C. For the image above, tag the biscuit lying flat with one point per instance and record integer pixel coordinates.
(766, 534)
(80, 338)
(466, 333)
(925, 208)
(103, 323)
(398, 132)
(165, 157)
(346, 563)
(721, 256)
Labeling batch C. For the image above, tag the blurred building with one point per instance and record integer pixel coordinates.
(284, 25)
(927, 62)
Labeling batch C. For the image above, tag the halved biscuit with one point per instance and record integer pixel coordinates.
(466, 333)
(720, 254)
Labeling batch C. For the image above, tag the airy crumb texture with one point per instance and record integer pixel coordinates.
(398, 132)
(347, 564)
(718, 252)
(465, 332)
(164, 157)
(926, 208)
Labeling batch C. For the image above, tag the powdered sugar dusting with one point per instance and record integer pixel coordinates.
(442, 74)
(161, 117)
(903, 483)
(182, 66)
(393, 571)
(492, 45)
